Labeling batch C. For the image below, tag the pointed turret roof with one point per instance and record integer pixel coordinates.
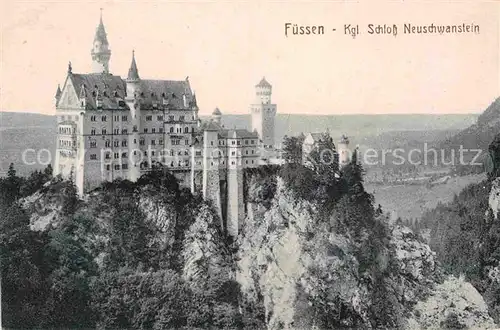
(216, 112)
(100, 33)
(263, 83)
(58, 92)
(133, 73)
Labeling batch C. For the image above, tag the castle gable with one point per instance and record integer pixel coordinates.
(69, 97)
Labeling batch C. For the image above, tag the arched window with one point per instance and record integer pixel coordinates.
(171, 129)
(186, 129)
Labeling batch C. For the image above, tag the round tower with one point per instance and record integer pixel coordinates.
(132, 99)
(100, 50)
(344, 151)
(263, 114)
(217, 116)
(263, 91)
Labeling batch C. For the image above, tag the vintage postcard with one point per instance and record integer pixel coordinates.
(249, 164)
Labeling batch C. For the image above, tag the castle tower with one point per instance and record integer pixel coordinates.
(344, 151)
(235, 207)
(132, 99)
(217, 116)
(263, 113)
(100, 50)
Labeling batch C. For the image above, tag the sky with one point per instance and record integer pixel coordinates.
(227, 47)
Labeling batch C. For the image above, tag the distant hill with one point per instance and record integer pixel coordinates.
(477, 136)
(21, 131)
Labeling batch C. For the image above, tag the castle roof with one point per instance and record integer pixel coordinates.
(238, 134)
(263, 83)
(133, 73)
(216, 112)
(210, 125)
(100, 33)
(58, 92)
(111, 90)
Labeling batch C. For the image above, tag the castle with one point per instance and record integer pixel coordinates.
(111, 128)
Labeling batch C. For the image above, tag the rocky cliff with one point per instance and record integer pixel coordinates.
(301, 272)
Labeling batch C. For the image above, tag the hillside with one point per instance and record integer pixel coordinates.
(477, 136)
(149, 255)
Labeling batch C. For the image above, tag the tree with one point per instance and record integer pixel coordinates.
(70, 196)
(292, 149)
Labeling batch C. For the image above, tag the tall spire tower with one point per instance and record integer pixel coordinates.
(100, 50)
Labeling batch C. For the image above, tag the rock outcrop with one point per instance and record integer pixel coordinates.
(295, 269)
(494, 198)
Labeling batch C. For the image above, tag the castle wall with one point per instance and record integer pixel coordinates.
(235, 207)
(211, 177)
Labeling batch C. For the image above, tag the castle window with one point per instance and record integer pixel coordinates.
(108, 155)
(238, 142)
(152, 153)
(171, 152)
(135, 152)
(186, 153)
(135, 141)
(161, 141)
(160, 129)
(92, 118)
(181, 118)
(186, 130)
(93, 144)
(125, 166)
(233, 153)
(142, 142)
(253, 141)
(171, 129)
(124, 131)
(246, 141)
(145, 153)
(211, 143)
(232, 162)
(124, 155)
(145, 130)
(171, 118)
(93, 156)
(124, 143)
(117, 155)
(186, 142)
(232, 142)
(160, 118)
(117, 118)
(92, 131)
(117, 131)
(153, 142)
(124, 118)
(253, 151)
(246, 161)
(153, 130)
(103, 131)
(246, 152)
(116, 143)
(103, 118)
(117, 167)
(134, 129)
(149, 118)
(108, 144)
(108, 167)
(252, 161)
(192, 129)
